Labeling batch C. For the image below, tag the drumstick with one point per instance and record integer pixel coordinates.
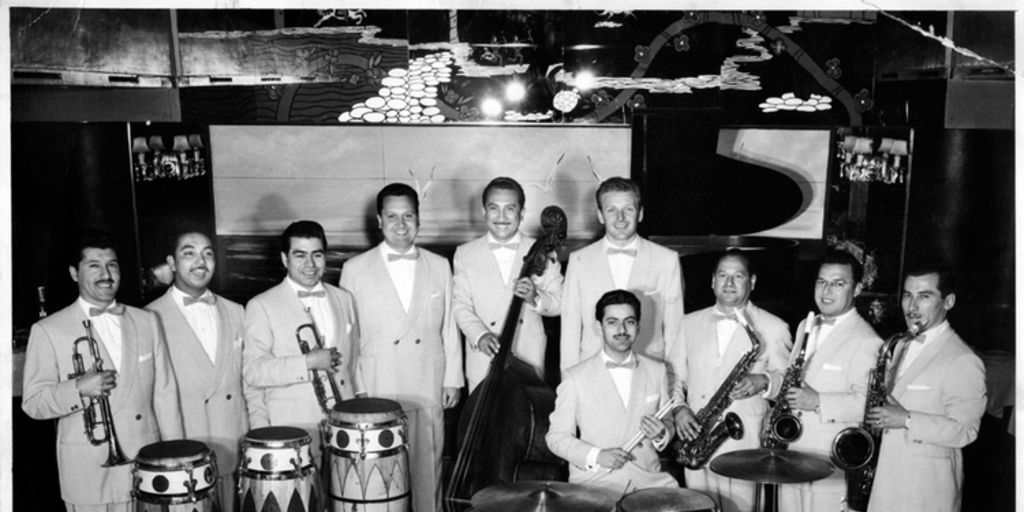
(665, 409)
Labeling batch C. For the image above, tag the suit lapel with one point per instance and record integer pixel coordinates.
(224, 347)
(598, 261)
(709, 332)
(387, 294)
(641, 267)
(129, 361)
(828, 347)
(637, 396)
(420, 293)
(921, 362)
(185, 338)
(494, 275)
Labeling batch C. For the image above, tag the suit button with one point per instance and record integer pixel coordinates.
(206, 401)
(138, 417)
(492, 324)
(520, 321)
(417, 341)
(342, 382)
(229, 397)
(396, 342)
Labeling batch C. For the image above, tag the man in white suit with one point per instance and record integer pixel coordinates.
(621, 260)
(409, 350)
(486, 278)
(935, 407)
(609, 398)
(204, 339)
(272, 360)
(137, 380)
(714, 343)
(841, 351)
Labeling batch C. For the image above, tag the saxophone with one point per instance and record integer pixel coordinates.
(855, 449)
(714, 428)
(781, 426)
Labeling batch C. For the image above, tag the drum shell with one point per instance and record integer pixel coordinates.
(280, 470)
(369, 457)
(159, 483)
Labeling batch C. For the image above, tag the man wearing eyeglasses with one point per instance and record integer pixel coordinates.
(841, 351)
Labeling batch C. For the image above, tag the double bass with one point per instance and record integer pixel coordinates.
(503, 424)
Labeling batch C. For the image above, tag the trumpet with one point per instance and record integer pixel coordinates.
(115, 456)
(318, 385)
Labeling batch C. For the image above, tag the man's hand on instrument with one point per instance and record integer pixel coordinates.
(451, 396)
(323, 359)
(652, 427)
(749, 386)
(96, 384)
(525, 290)
(889, 416)
(613, 458)
(686, 424)
(803, 398)
(488, 344)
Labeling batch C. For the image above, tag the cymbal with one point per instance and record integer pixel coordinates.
(772, 466)
(666, 499)
(541, 496)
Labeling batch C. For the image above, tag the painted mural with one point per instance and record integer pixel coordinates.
(370, 66)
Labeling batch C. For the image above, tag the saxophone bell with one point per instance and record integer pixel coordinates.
(786, 428)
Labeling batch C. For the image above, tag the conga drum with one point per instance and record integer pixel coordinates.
(367, 439)
(276, 471)
(666, 499)
(175, 476)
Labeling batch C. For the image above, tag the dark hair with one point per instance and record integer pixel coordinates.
(398, 190)
(90, 238)
(302, 229)
(617, 184)
(174, 236)
(946, 274)
(837, 257)
(739, 255)
(614, 298)
(503, 183)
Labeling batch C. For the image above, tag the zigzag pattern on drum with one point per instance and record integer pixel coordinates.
(269, 502)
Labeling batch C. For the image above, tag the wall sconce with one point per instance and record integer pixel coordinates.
(868, 159)
(153, 161)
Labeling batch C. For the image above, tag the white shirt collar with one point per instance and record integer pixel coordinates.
(608, 359)
(718, 309)
(514, 240)
(386, 249)
(298, 287)
(933, 333)
(86, 305)
(843, 317)
(179, 296)
(633, 244)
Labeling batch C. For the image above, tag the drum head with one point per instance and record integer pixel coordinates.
(666, 500)
(165, 453)
(277, 434)
(366, 410)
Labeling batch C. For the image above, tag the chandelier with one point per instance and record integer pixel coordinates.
(867, 159)
(154, 161)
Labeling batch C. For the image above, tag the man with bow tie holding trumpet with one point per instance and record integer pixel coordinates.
(841, 350)
(608, 398)
(125, 380)
(272, 358)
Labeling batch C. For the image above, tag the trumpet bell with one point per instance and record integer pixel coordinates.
(787, 428)
(852, 448)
